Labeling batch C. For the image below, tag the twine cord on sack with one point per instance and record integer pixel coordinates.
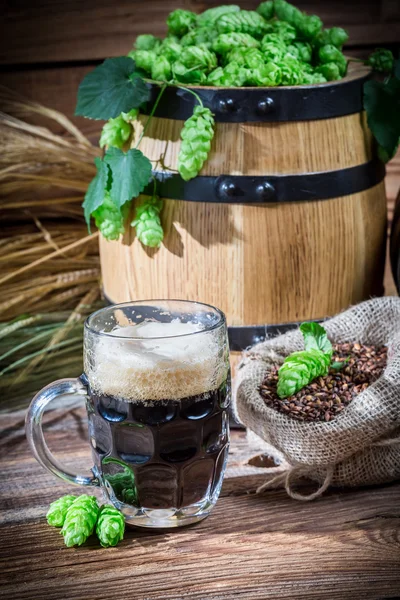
(299, 472)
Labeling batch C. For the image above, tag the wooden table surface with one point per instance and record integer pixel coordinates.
(345, 545)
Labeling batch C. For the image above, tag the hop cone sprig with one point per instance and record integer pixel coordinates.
(109, 219)
(58, 510)
(381, 60)
(299, 369)
(80, 520)
(115, 132)
(147, 221)
(197, 133)
(110, 526)
(244, 21)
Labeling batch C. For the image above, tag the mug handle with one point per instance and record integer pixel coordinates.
(34, 432)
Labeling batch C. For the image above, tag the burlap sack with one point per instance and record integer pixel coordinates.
(361, 446)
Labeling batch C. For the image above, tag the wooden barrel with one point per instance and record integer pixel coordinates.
(287, 220)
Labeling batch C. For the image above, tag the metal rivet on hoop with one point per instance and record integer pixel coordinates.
(265, 106)
(226, 105)
(227, 189)
(266, 192)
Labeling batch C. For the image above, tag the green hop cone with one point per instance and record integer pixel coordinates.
(244, 21)
(287, 12)
(180, 21)
(115, 132)
(234, 75)
(273, 52)
(331, 54)
(216, 77)
(183, 74)
(246, 57)
(147, 42)
(58, 510)
(335, 36)
(266, 9)
(147, 221)
(285, 31)
(268, 75)
(196, 135)
(291, 71)
(199, 37)
(330, 71)
(110, 526)
(309, 26)
(144, 59)
(209, 17)
(201, 57)
(301, 51)
(131, 115)
(80, 520)
(226, 41)
(171, 49)
(299, 369)
(109, 219)
(161, 69)
(381, 60)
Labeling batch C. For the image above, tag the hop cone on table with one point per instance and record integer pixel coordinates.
(196, 135)
(110, 526)
(58, 510)
(147, 221)
(80, 520)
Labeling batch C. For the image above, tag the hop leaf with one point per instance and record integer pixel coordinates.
(196, 135)
(381, 60)
(244, 21)
(80, 520)
(58, 510)
(147, 221)
(180, 21)
(115, 132)
(110, 526)
(109, 219)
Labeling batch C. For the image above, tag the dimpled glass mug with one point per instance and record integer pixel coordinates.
(157, 388)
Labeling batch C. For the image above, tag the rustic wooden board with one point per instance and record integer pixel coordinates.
(60, 30)
(344, 546)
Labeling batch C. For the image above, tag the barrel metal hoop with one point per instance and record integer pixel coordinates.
(243, 337)
(267, 189)
(262, 105)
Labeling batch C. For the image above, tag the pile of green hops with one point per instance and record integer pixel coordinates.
(275, 45)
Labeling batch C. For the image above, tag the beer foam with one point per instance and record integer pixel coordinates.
(166, 368)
